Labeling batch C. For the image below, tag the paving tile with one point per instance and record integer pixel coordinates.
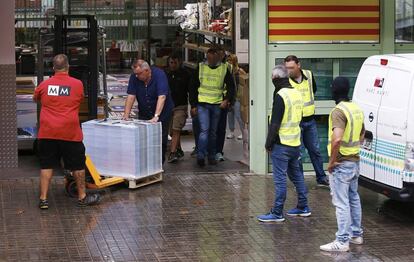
(191, 217)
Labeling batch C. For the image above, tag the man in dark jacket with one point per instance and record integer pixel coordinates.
(179, 82)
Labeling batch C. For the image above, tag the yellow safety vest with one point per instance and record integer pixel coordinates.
(350, 144)
(306, 89)
(211, 84)
(289, 131)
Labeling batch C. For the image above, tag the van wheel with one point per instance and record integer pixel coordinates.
(71, 189)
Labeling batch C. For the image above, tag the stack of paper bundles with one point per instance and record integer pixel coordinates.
(128, 149)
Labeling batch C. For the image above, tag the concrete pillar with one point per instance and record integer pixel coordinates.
(8, 120)
(259, 78)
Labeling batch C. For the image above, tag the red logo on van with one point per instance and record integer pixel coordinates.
(379, 82)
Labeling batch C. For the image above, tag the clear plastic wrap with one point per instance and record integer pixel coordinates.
(128, 149)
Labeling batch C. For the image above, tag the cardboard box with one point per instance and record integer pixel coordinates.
(244, 110)
(84, 109)
(244, 86)
(161, 61)
(244, 80)
(244, 98)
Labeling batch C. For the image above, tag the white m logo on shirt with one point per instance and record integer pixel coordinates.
(53, 90)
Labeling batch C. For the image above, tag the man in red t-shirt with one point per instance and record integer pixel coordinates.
(60, 135)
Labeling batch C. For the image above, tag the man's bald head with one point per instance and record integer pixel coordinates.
(60, 63)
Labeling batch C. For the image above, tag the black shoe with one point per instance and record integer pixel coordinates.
(180, 153)
(212, 161)
(323, 183)
(194, 153)
(43, 204)
(173, 157)
(201, 162)
(89, 200)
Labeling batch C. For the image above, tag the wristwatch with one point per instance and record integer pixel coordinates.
(157, 115)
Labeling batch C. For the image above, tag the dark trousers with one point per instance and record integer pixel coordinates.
(310, 140)
(165, 131)
(196, 131)
(221, 130)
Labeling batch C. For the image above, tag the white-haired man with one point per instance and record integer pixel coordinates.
(283, 143)
(149, 85)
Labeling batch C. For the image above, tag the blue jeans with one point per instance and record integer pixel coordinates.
(221, 130)
(208, 116)
(233, 115)
(345, 197)
(310, 141)
(284, 159)
(196, 131)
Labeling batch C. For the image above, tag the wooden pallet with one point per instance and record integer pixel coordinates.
(137, 183)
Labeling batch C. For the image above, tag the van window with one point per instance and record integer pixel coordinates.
(349, 67)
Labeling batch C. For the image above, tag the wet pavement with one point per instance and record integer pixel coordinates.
(191, 216)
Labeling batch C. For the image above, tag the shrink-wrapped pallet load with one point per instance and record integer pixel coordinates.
(128, 149)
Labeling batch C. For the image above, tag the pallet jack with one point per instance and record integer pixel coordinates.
(93, 180)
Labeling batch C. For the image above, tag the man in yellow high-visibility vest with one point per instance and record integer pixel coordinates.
(304, 81)
(212, 90)
(346, 131)
(283, 143)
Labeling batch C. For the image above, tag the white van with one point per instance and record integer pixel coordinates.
(385, 91)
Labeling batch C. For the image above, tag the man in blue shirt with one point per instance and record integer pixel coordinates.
(149, 85)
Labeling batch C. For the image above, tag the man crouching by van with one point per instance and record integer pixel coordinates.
(346, 131)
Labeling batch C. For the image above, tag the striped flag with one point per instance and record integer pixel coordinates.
(324, 21)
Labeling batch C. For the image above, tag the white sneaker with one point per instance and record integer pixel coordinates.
(356, 240)
(335, 246)
(230, 136)
(220, 157)
(240, 137)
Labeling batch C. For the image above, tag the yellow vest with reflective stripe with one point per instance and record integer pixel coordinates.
(350, 144)
(211, 83)
(289, 132)
(306, 89)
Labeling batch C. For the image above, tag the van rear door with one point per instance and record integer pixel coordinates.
(392, 124)
(370, 79)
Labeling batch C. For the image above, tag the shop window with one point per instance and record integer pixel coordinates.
(349, 67)
(322, 69)
(404, 21)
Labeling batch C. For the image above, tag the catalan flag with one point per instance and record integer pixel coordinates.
(324, 21)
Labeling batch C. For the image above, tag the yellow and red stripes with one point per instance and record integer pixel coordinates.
(324, 20)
